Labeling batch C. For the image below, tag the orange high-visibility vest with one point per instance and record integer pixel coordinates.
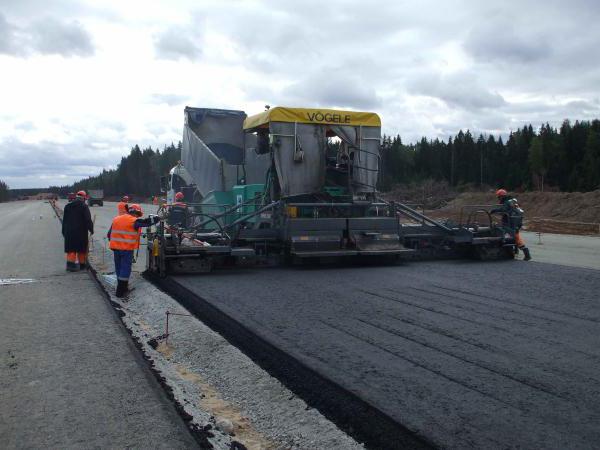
(123, 236)
(122, 208)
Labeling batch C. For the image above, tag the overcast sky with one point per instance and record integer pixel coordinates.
(83, 81)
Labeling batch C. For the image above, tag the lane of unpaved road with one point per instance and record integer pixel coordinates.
(70, 376)
(493, 354)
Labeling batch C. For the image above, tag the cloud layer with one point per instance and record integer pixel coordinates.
(47, 36)
(84, 82)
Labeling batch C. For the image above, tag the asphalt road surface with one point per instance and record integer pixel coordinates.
(466, 354)
(70, 377)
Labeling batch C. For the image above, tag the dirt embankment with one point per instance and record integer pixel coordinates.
(552, 212)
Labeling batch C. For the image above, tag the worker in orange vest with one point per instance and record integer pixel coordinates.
(124, 235)
(122, 205)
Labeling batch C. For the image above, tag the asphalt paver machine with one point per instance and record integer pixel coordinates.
(294, 185)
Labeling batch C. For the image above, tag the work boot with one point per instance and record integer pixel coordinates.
(121, 288)
(83, 266)
(526, 253)
(72, 267)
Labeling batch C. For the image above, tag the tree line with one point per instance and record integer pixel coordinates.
(137, 174)
(4, 192)
(567, 158)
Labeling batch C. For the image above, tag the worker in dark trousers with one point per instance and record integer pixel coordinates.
(178, 211)
(122, 205)
(512, 217)
(77, 222)
(124, 235)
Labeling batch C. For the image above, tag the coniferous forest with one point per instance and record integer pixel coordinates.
(137, 174)
(565, 158)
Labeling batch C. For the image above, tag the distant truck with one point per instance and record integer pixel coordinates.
(95, 197)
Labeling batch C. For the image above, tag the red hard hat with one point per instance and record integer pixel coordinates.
(81, 194)
(179, 196)
(501, 193)
(125, 198)
(137, 209)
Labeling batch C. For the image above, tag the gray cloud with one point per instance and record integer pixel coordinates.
(51, 36)
(45, 36)
(458, 90)
(176, 43)
(337, 90)
(10, 38)
(503, 43)
(51, 164)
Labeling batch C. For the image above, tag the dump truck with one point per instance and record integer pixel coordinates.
(296, 185)
(95, 197)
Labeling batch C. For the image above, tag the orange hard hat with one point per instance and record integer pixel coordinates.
(501, 193)
(125, 198)
(81, 194)
(136, 210)
(179, 196)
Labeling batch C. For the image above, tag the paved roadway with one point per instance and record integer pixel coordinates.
(467, 354)
(70, 377)
(564, 249)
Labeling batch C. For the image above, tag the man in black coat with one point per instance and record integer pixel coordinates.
(77, 221)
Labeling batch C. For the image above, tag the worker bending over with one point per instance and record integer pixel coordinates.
(122, 205)
(124, 235)
(76, 223)
(512, 217)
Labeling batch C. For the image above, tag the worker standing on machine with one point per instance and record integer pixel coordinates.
(76, 224)
(178, 211)
(512, 217)
(124, 235)
(122, 205)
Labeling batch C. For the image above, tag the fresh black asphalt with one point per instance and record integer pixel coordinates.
(465, 354)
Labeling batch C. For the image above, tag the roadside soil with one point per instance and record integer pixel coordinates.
(550, 212)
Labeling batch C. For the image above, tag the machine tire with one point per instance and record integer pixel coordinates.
(509, 253)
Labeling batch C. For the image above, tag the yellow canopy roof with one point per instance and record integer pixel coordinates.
(316, 116)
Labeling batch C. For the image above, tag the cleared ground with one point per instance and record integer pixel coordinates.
(466, 354)
(70, 376)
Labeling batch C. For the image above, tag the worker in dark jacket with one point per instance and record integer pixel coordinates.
(124, 235)
(77, 222)
(178, 211)
(512, 217)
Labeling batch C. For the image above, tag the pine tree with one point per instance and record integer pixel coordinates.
(590, 179)
(4, 192)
